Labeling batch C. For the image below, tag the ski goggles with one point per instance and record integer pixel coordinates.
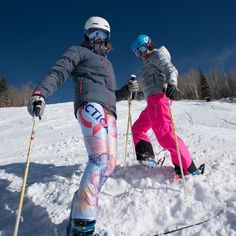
(140, 50)
(97, 34)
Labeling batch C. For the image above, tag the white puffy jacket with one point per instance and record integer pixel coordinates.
(157, 71)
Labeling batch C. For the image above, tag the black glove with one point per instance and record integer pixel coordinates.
(36, 106)
(171, 91)
(132, 84)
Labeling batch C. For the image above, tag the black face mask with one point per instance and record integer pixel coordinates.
(99, 47)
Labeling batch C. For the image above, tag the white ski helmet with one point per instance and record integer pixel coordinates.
(97, 22)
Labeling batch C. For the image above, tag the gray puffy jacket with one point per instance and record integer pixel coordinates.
(93, 78)
(157, 71)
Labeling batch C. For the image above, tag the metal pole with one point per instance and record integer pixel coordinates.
(177, 147)
(24, 179)
(129, 123)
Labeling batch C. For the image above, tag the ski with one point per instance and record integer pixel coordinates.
(189, 226)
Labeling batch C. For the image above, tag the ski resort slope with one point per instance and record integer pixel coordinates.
(133, 202)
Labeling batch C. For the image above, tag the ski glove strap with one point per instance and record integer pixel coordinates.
(36, 106)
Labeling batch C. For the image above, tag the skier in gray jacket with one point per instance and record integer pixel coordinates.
(95, 108)
(157, 72)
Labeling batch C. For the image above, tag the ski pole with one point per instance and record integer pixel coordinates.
(176, 142)
(129, 123)
(177, 147)
(25, 178)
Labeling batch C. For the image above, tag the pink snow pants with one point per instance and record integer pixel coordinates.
(157, 116)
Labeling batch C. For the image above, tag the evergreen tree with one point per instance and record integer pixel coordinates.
(3, 91)
(204, 87)
(3, 86)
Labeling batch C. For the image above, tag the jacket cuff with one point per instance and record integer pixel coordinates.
(38, 93)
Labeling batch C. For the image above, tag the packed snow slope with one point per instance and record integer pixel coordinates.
(133, 202)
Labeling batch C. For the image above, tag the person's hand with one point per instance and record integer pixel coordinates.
(36, 106)
(171, 91)
(132, 84)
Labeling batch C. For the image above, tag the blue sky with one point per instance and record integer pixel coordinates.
(33, 34)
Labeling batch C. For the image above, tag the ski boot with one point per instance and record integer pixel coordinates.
(81, 227)
(192, 170)
(149, 162)
(145, 154)
(199, 171)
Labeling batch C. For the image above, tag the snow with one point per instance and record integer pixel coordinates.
(136, 201)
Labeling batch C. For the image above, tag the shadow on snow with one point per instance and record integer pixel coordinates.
(34, 219)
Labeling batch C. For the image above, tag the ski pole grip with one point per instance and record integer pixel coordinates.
(38, 108)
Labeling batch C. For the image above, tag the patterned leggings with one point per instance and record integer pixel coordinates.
(100, 137)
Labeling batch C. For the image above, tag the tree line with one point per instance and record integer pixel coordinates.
(12, 96)
(213, 86)
(193, 85)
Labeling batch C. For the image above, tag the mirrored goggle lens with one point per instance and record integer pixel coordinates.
(98, 35)
(137, 52)
(140, 50)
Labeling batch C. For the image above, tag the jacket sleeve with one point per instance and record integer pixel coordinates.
(162, 60)
(58, 73)
(122, 94)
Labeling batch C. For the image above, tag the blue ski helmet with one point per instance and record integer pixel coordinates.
(142, 39)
